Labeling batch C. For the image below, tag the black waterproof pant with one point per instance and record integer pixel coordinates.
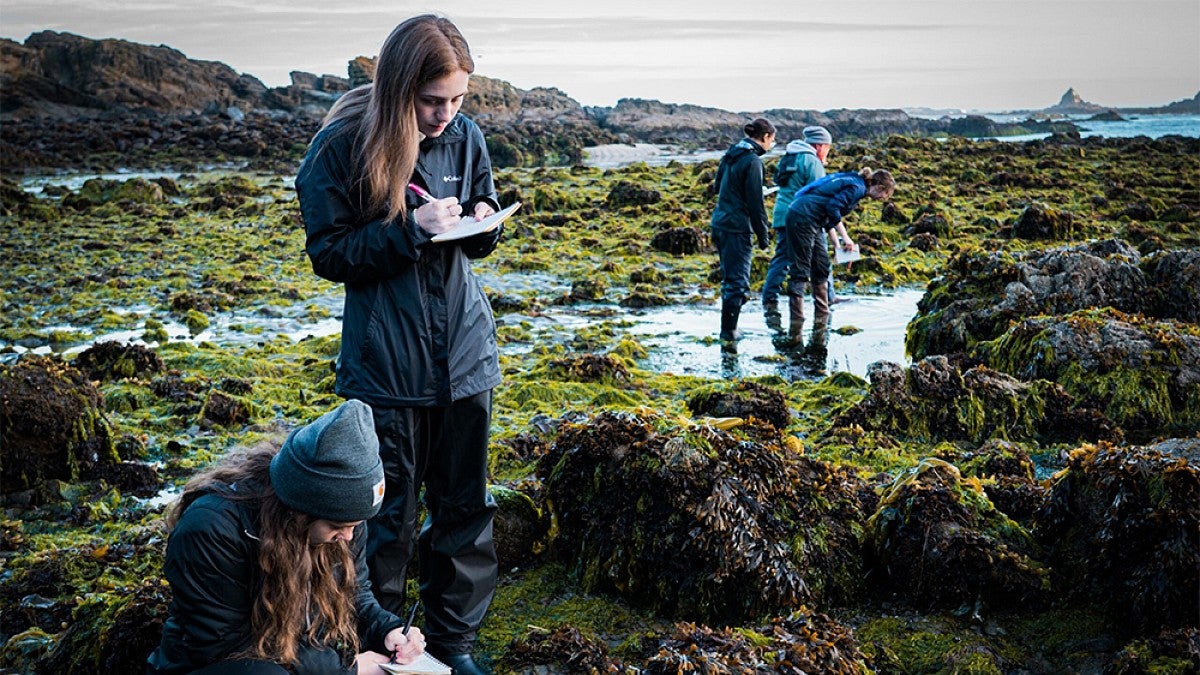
(734, 251)
(444, 449)
(810, 255)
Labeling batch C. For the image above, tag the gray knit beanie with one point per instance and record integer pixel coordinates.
(330, 468)
(814, 135)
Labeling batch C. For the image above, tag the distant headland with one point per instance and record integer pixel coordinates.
(56, 77)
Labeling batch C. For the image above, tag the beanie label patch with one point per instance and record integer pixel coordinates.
(377, 496)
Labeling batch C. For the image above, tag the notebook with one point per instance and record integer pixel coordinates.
(469, 227)
(424, 665)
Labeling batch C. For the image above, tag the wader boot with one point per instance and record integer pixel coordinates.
(729, 320)
(820, 302)
(795, 316)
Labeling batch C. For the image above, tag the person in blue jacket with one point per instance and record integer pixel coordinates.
(817, 207)
(266, 560)
(739, 215)
(418, 334)
(802, 163)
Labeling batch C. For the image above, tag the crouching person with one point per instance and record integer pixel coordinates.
(266, 560)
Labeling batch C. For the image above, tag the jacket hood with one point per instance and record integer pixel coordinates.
(743, 146)
(800, 147)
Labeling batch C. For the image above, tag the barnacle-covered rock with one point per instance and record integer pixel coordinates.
(1175, 277)
(983, 293)
(1143, 374)
(51, 424)
(935, 400)
(694, 523)
(1120, 528)
(939, 542)
(805, 642)
(111, 360)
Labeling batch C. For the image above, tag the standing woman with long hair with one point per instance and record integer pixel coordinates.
(418, 335)
(740, 214)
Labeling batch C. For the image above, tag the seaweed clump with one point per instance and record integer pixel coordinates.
(694, 523)
(805, 642)
(565, 647)
(939, 542)
(1120, 526)
(52, 424)
(680, 241)
(110, 360)
(744, 399)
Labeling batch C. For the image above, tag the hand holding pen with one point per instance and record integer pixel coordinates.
(436, 215)
(405, 643)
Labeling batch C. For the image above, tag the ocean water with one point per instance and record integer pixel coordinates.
(1152, 126)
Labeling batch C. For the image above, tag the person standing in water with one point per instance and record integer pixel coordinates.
(740, 214)
(817, 207)
(394, 164)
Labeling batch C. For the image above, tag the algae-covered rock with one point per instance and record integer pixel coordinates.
(1171, 651)
(805, 642)
(111, 360)
(939, 542)
(680, 241)
(936, 400)
(112, 634)
(1120, 527)
(983, 293)
(695, 524)
(742, 399)
(518, 527)
(1040, 221)
(625, 193)
(51, 424)
(1143, 374)
(565, 648)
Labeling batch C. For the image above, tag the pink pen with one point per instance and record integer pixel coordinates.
(420, 192)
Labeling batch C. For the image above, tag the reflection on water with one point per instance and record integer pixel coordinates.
(679, 339)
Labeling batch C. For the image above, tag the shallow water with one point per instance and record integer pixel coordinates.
(680, 339)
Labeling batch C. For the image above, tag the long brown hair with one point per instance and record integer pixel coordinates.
(420, 50)
(305, 590)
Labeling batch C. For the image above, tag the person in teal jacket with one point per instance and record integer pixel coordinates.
(802, 163)
(739, 215)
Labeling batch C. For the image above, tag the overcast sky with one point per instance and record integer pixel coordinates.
(740, 56)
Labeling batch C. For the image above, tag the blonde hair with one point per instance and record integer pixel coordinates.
(418, 51)
(879, 179)
(298, 580)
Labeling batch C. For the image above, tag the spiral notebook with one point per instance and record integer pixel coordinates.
(425, 664)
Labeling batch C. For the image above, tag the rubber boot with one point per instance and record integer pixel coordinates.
(795, 316)
(729, 320)
(820, 302)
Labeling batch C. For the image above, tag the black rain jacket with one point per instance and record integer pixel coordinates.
(739, 183)
(417, 329)
(212, 564)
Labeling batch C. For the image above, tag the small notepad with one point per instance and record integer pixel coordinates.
(842, 256)
(469, 227)
(424, 665)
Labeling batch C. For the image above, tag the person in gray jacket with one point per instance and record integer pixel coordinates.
(418, 335)
(802, 163)
(266, 560)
